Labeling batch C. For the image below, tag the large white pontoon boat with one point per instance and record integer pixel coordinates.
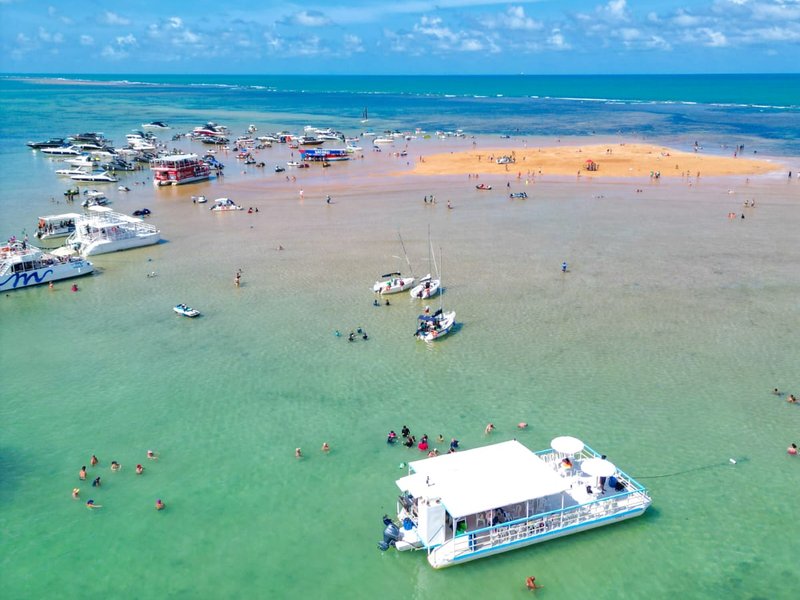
(471, 504)
(103, 230)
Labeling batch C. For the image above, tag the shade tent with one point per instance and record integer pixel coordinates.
(482, 479)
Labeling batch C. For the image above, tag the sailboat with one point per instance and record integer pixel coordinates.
(365, 116)
(433, 327)
(428, 286)
(392, 283)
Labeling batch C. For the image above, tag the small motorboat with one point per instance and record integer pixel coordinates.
(142, 212)
(199, 199)
(518, 195)
(483, 186)
(279, 169)
(225, 204)
(186, 310)
(155, 125)
(124, 188)
(293, 163)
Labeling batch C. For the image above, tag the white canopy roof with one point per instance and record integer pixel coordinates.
(476, 480)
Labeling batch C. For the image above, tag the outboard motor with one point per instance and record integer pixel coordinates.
(390, 534)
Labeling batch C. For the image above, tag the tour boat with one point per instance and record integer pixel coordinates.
(178, 169)
(475, 503)
(186, 311)
(101, 231)
(23, 265)
(56, 226)
(324, 154)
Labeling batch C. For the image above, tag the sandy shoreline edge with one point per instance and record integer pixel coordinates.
(619, 160)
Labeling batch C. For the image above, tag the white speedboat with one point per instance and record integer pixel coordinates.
(72, 171)
(155, 125)
(94, 198)
(433, 327)
(383, 140)
(23, 265)
(56, 226)
(186, 311)
(62, 151)
(471, 504)
(225, 204)
(101, 231)
(103, 177)
(199, 199)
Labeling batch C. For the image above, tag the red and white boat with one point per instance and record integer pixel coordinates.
(178, 169)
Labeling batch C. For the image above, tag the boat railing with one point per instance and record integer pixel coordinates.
(540, 525)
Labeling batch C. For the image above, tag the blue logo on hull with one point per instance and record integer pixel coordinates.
(25, 278)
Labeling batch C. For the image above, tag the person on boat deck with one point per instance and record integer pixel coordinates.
(566, 463)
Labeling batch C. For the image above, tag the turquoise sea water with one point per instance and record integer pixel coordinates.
(659, 348)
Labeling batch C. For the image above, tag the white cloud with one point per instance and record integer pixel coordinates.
(514, 18)
(87, 40)
(556, 40)
(616, 10)
(353, 43)
(110, 18)
(306, 18)
(112, 53)
(46, 36)
(683, 19)
(175, 22)
(127, 40)
(714, 39)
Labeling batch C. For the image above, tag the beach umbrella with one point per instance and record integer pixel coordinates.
(598, 467)
(566, 444)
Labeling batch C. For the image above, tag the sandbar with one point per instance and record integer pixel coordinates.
(620, 160)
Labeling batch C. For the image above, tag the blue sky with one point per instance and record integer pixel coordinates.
(402, 37)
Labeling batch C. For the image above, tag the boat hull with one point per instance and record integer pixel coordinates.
(394, 286)
(437, 563)
(104, 246)
(48, 274)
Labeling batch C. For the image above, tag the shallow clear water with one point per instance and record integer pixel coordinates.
(658, 348)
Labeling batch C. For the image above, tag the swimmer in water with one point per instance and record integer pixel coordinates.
(139, 469)
(93, 460)
(159, 504)
(90, 504)
(530, 583)
(489, 428)
(792, 450)
(152, 455)
(522, 425)
(96, 482)
(115, 466)
(298, 453)
(82, 473)
(76, 492)
(325, 447)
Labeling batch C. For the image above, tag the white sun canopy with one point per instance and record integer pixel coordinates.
(476, 480)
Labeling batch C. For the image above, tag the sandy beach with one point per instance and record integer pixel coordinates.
(620, 160)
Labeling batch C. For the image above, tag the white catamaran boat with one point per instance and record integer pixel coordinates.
(476, 503)
(23, 265)
(102, 230)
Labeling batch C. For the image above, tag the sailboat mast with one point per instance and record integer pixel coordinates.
(408, 262)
